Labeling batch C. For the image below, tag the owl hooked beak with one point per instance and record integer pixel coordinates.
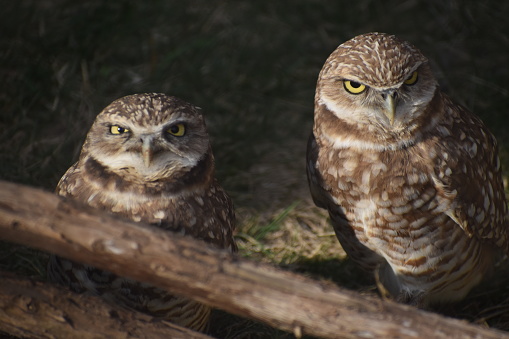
(389, 108)
(147, 149)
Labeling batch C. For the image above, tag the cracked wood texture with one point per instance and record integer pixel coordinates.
(191, 268)
(31, 309)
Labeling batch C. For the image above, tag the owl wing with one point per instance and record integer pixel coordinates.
(468, 177)
(227, 216)
(68, 181)
(320, 195)
(210, 218)
(80, 184)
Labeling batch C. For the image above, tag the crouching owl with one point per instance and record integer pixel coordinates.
(147, 157)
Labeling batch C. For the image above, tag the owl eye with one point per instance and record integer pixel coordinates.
(353, 87)
(116, 129)
(412, 79)
(177, 130)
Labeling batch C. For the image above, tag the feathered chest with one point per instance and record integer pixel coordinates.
(390, 199)
(378, 185)
(202, 211)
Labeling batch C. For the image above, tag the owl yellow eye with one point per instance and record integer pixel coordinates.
(177, 130)
(353, 87)
(412, 79)
(115, 129)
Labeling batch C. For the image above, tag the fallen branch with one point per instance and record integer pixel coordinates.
(32, 309)
(188, 267)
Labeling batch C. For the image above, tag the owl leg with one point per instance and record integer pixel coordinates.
(384, 292)
(390, 287)
(386, 281)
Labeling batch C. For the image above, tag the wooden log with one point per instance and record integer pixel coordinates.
(31, 309)
(191, 268)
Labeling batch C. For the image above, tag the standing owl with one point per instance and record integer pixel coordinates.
(147, 157)
(411, 180)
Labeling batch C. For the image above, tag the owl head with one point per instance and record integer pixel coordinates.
(377, 81)
(148, 136)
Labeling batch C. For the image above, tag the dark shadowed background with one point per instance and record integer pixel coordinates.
(252, 67)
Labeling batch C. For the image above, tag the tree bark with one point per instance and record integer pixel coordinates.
(191, 268)
(32, 309)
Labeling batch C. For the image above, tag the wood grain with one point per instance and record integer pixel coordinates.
(188, 267)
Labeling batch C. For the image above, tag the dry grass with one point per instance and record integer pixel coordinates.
(252, 67)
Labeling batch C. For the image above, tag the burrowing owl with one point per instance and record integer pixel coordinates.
(412, 181)
(147, 157)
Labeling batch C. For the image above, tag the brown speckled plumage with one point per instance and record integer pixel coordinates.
(411, 180)
(148, 175)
